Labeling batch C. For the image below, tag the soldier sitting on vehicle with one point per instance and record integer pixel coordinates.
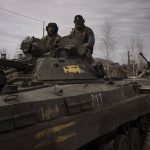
(51, 40)
(86, 34)
(32, 46)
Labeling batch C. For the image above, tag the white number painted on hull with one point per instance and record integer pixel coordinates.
(97, 99)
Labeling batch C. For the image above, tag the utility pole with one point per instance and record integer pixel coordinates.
(43, 28)
(107, 67)
(129, 65)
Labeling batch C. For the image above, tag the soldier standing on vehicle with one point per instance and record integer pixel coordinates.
(86, 34)
(51, 40)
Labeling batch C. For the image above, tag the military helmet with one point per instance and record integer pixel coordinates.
(52, 24)
(79, 18)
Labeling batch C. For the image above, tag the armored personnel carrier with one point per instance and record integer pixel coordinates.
(62, 102)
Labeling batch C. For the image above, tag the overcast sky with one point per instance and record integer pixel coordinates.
(129, 18)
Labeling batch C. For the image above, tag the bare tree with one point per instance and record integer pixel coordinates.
(124, 58)
(134, 48)
(141, 62)
(108, 42)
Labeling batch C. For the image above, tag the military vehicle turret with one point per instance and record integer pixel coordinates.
(58, 101)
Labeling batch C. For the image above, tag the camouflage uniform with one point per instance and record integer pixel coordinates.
(51, 40)
(87, 35)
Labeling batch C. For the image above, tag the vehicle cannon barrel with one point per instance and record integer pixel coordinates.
(148, 63)
(144, 58)
(15, 64)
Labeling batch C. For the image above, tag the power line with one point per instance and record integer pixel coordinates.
(12, 35)
(20, 15)
(20, 22)
(25, 17)
(7, 17)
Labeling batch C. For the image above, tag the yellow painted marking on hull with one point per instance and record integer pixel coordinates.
(72, 69)
(55, 129)
(58, 139)
(45, 143)
(64, 137)
(40, 134)
(62, 126)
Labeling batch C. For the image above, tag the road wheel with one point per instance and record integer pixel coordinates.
(135, 139)
(122, 142)
(106, 147)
